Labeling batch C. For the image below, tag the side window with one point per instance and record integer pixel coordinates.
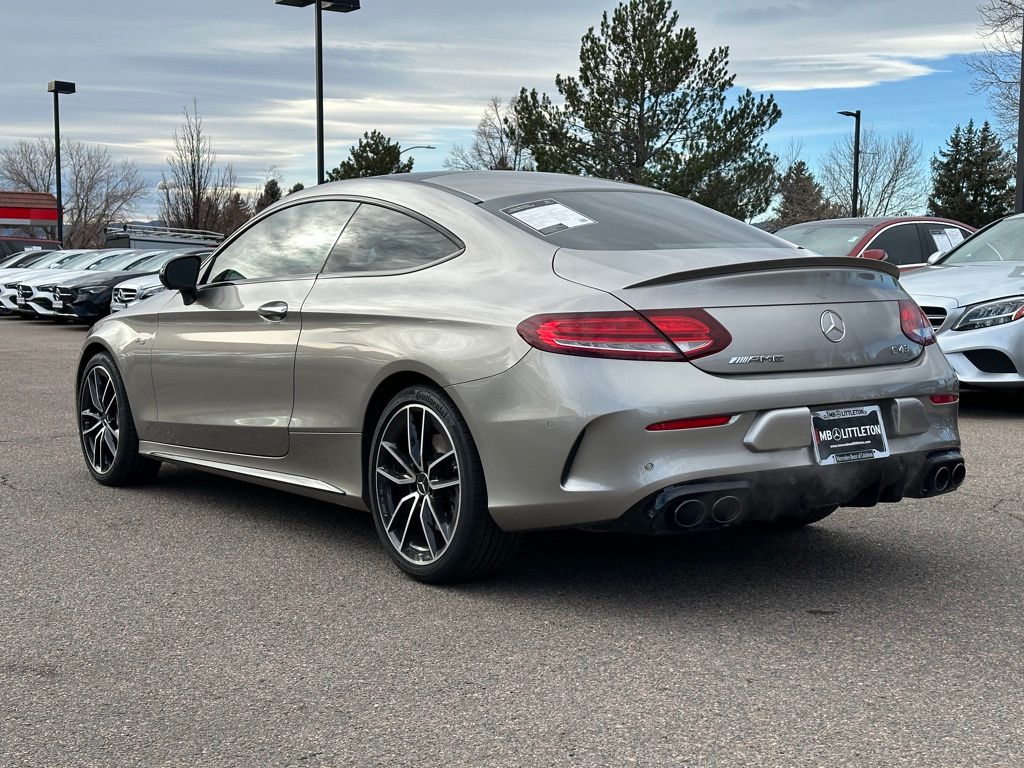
(379, 239)
(901, 243)
(292, 241)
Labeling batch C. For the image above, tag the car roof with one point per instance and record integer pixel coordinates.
(874, 221)
(481, 186)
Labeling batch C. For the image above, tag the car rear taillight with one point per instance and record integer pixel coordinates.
(693, 331)
(624, 335)
(948, 399)
(915, 324)
(662, 335)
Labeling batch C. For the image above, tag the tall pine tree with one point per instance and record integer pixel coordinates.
(374, 155)
(972, 177)
(271, 194)
(647, 108)
(802, 198)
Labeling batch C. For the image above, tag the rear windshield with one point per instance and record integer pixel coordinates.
(825, 238)
(153, 261)
(613, 220)
(114, 261)
(71, 260)
(25, 259)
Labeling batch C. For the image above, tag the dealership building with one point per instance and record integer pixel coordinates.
(22, 212)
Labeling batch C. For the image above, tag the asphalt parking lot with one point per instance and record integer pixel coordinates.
(203, 621)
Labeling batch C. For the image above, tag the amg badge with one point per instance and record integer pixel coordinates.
(755, 359)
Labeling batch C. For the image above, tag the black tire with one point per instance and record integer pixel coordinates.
(475, 546)
(801, 519)
(123, 465)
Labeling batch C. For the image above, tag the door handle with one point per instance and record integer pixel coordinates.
(273, 310)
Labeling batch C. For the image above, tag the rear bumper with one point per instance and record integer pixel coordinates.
(774, 494)
(563, 440)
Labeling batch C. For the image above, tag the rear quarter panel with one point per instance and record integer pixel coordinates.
(451, 323)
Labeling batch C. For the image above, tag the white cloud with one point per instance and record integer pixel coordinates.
(421, 72)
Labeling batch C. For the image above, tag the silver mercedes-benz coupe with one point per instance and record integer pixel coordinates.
(470, 355)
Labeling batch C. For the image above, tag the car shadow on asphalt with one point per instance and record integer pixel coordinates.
(991, 403)
(809, 569)
(728, 564)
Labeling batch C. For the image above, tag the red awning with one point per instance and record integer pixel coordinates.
(28, 209)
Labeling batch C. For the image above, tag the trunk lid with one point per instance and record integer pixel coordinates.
(785, 312)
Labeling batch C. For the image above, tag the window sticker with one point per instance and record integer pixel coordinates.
(547, 216)
(941, 239)
(955, 235)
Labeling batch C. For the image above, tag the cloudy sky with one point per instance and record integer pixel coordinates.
(422, 71)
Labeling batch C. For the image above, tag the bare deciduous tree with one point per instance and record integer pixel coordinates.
(494, 146)
(997, 66)
(28, 165)
(195, 194)
(892, 177)
(97, 190)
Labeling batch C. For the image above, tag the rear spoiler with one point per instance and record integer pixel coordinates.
(844, 262)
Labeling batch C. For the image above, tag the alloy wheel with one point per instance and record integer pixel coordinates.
(417, 483)
(98, 422)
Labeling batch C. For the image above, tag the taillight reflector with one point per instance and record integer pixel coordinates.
(677, 334)
(944, 399)
(915, 324)
(697, 423)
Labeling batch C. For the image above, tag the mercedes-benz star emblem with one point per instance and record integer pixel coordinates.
(832, 326)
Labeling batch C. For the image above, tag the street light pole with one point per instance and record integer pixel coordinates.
(341, 6)
(418, 146)
(57, 87)
(855, 207)
(1018, 195)
(318, 15)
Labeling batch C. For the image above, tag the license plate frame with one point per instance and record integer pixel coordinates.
(848, 434)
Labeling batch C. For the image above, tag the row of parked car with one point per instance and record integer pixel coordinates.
(81, 285)
(85, 285)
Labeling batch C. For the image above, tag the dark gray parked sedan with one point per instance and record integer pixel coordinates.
(468, 355)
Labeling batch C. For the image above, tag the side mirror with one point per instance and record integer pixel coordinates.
(182, 274)
(877, 254)
(935, 257)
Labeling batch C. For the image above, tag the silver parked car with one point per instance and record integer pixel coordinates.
(974, 297)
(468, 355)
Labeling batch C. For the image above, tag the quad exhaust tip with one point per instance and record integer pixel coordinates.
(945, 473)
(693, 506)
(957, 475)
(689, 513)
(726, 509)
(693, 512)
